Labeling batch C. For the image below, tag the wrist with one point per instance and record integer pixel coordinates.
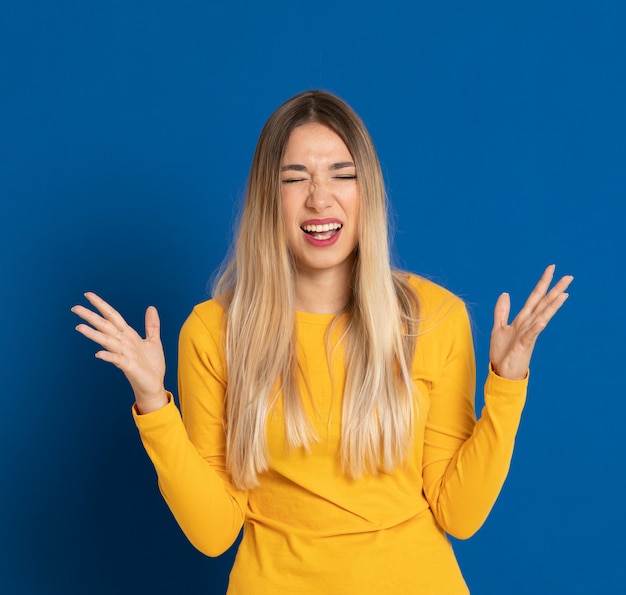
(149, 403)
(508, 374)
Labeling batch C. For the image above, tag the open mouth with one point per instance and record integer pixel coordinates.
(322, 232)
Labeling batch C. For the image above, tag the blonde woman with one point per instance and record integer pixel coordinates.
(327, 400)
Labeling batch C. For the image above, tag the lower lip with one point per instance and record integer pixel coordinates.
(321, 243)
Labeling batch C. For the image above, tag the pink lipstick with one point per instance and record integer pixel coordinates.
(321, 232)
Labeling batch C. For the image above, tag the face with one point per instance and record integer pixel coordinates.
(320, 197)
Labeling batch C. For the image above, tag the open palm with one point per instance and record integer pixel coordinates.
(512, 344)
(141, 360)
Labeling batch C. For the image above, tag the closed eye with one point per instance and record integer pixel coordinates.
(292, 180)
(346, 177)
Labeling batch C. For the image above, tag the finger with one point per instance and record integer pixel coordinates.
(103, 339)
(501, 311)
(542, 318)
(530, 335)
(539, 300)
(563, 284)
(109, 336)
(108, 311)
(112, 358)
(84, 313)
(153, 324)
(553, 295)
(95, 320)
(540, 290)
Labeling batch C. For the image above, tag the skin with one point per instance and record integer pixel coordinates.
(143, 362)
(318, 182)
(512, 344)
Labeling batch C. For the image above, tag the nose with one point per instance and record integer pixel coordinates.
(319, 197)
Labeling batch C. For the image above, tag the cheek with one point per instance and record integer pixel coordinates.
(290, 219)
(287, 207)
(290, 201)
(356, 205)
(356, 209)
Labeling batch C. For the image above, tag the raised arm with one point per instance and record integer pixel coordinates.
(466, 462)
(189, 461)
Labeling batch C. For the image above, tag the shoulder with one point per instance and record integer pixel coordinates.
(435, 301)
(207, 319)
(444, 329)
(442, 315)
(429, 290)
(209, 312)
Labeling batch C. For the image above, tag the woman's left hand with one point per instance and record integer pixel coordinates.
(512, 344)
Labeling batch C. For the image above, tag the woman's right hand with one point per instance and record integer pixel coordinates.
(141, 360)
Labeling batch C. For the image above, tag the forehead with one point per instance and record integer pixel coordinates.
(315, 141)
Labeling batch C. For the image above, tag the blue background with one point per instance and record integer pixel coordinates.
(126, 133)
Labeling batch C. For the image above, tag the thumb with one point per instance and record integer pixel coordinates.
(153, 324)
(501, 311)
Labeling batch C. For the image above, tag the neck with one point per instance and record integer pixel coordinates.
(322, 292)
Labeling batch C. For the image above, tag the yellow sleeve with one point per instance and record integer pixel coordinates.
(466, 462)
(189, 458)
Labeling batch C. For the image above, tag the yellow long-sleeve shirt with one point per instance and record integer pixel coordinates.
(308, 529)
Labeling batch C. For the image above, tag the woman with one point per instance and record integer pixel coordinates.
(328, 400)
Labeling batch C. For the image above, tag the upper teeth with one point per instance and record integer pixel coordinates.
(321, 228)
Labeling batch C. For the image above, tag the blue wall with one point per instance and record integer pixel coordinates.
(126, 132)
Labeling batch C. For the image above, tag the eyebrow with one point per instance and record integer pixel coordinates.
(342, 164)
(333, 166)
(293, 167)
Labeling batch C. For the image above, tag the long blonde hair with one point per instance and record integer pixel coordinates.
(257, 290)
